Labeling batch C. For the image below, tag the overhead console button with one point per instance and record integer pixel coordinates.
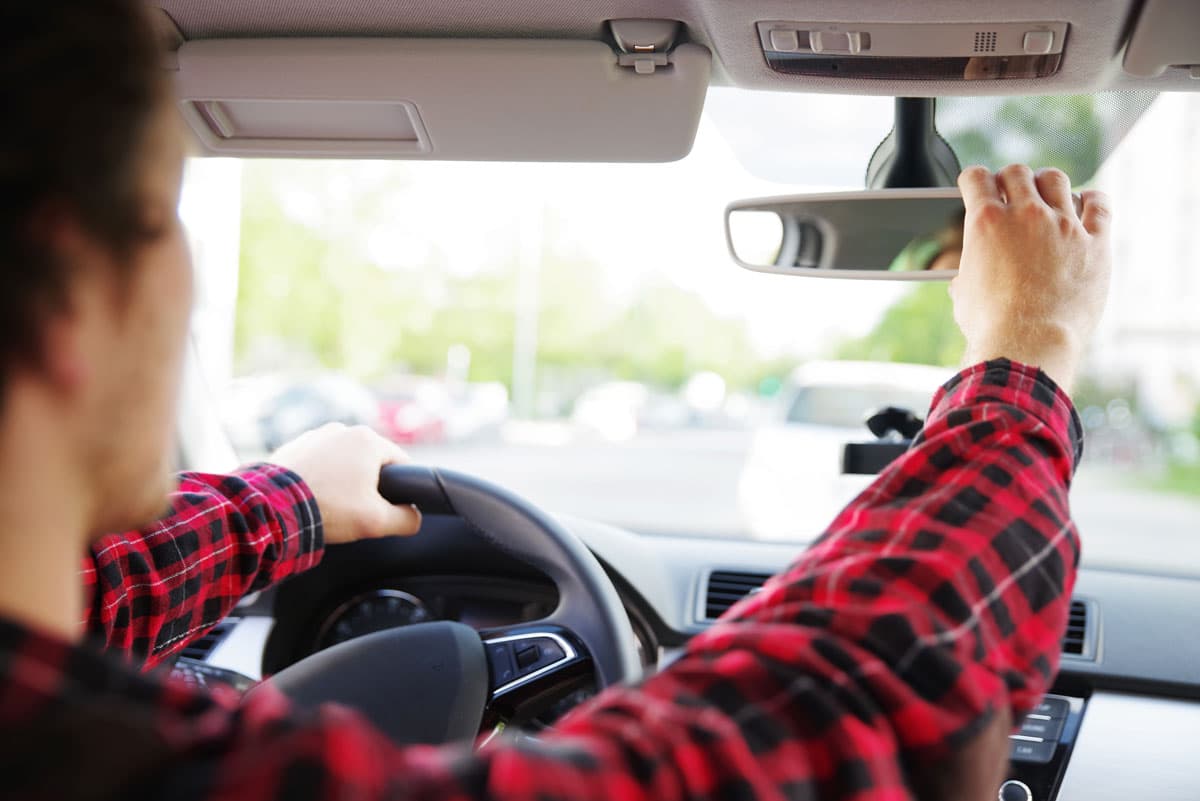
(835, 41)
(1039, 42)
(784, 41)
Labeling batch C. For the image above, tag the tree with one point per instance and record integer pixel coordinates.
(307, 285)
(919, 328)
(1063, 132)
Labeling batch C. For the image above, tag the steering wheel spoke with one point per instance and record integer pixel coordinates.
(532, 662)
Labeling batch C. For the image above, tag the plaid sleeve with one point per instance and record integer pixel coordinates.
(151, 592)
(934, 601)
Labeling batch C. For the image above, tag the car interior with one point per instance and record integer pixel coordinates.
(528, 612)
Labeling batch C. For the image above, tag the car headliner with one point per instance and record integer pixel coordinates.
(1099, 30)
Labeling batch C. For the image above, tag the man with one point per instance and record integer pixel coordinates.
(891, 659)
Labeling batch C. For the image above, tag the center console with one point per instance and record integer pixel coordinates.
(1040, 748)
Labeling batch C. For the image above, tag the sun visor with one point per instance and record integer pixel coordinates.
(488, 100)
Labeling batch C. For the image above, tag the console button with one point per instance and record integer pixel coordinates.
(1013, 790)
(1046, 729)
(1029, 751)
(1053, 707)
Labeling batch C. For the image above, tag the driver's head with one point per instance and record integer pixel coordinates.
(95, 280)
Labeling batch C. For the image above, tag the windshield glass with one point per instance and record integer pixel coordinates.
(775, 138)
(849, 406)
(578, 333)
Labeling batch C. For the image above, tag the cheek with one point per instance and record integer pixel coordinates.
(173, 295)
(179, 290)
(168, 305)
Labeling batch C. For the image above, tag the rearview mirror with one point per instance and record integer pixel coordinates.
(883, 234)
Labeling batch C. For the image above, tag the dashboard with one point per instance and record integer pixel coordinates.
(478, 603)
(1122, 722)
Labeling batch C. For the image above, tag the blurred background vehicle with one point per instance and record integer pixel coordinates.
(792, 481)
(264, 412)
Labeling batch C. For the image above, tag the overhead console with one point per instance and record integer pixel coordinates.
(917, 51)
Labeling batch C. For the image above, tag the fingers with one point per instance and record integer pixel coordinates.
(1016, 184)
(978, 187)
(1055, 188)
(391, 453)
(1096, 213)
(403, 520)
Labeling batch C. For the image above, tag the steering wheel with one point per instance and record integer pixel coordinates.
(442, 681)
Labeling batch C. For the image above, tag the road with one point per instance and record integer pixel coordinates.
(686, 483)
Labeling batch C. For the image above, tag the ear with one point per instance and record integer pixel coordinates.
(71, 331)
(63, 360)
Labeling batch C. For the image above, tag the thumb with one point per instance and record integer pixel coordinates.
(389, 520)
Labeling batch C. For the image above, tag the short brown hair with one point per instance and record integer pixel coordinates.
(81, 82)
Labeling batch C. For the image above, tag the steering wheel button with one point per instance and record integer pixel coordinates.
(548, 653)
(551, 651)
(527, 656)
(500, 659)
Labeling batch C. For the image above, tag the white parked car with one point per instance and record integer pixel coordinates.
(792, 483)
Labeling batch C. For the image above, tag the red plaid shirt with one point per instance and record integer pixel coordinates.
(151, 592)
(933, 601)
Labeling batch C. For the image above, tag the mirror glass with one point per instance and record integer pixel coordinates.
(756, 236)
(890, 234)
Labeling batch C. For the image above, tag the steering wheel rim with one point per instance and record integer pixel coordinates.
(588, 631)
(588, 602)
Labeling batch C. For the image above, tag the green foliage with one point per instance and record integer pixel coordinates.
(312, 290)
(919, 328)
(1064, 132)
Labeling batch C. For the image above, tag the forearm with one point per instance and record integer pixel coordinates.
(949, 578)
(154, 590)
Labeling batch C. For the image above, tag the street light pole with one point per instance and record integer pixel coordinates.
(528, 301)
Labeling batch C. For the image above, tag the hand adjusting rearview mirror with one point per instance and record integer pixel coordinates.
(879, 234)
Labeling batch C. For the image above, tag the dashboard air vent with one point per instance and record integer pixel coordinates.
(201, 647)
(727, 587)
(1080, 639)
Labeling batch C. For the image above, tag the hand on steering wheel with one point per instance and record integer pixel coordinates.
(438, 682)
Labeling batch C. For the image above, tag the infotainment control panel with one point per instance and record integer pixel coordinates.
(1039, 750)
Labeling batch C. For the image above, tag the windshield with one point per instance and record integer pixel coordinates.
(849, 406)
(578, 333)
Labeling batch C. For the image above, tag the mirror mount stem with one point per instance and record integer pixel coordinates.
(913, 155)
